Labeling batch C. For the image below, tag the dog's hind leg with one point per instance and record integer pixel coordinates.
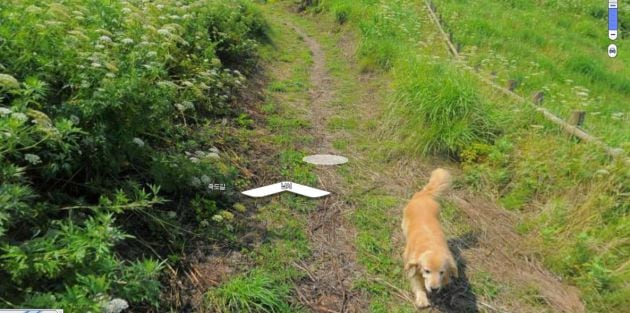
(418, 291)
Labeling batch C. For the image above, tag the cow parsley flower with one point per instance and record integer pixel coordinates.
(19, 116)
(116, 306)
(217, 218)
(205, 179)
(34, 159)
(9, 81)
(138, 142)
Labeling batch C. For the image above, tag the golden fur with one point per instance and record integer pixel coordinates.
(429, 264)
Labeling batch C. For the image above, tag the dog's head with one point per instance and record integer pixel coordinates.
(437, 269)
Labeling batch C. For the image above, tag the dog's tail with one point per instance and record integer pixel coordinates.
(439, 181)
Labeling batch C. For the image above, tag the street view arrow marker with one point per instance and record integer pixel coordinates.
(325, 159)
(285, 186)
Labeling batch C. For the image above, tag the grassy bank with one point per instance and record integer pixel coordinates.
(558, 47)
(573, 200)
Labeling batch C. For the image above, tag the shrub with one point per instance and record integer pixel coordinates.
(98, 99)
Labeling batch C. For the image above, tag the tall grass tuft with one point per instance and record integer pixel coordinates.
(437, 109)
(254, 292)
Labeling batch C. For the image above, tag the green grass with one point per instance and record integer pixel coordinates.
(437, 108)
(573, 201)
(254, 292)
(485, 286)
(378, 254)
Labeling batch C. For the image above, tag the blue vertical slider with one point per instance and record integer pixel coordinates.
(612, 19)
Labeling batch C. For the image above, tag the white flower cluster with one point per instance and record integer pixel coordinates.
(8, 82)
(198, 155)
(115, 306)
(138, 142)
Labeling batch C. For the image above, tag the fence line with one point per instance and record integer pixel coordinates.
(571, 129)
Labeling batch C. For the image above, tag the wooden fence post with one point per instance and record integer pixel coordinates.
(538, 98)
(577, 118)
(512, 84)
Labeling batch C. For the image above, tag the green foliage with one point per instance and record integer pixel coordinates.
(97, 100)
(385, 29)
(235, 31)
(341, 12)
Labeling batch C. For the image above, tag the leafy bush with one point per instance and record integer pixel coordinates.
(98, 99)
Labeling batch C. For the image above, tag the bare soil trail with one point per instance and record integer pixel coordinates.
(332, 268)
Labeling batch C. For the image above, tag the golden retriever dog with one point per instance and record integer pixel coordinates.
(429, 264)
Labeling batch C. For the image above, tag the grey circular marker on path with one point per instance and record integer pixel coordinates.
(325, 159)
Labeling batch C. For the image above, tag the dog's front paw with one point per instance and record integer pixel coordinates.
(421, 300)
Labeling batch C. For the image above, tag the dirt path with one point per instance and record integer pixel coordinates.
(332, 268)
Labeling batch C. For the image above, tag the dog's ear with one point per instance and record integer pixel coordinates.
(453, 268)
(411, 269)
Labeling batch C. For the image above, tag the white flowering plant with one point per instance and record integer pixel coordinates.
(99, 98)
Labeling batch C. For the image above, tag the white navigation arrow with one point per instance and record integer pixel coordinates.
(285, 186)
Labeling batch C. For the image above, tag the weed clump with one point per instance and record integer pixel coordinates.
(254, 292)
